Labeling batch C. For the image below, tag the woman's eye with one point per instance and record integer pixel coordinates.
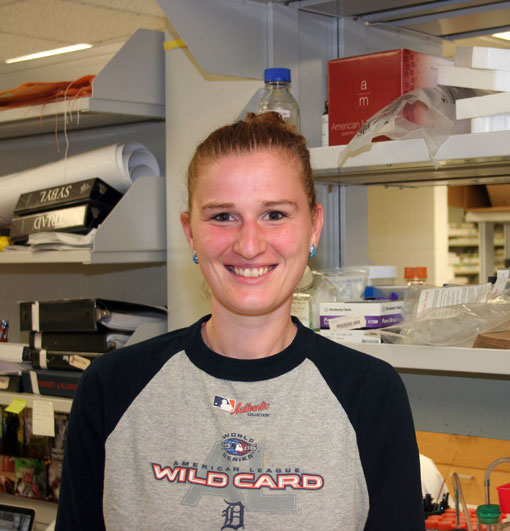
(223, 216)
(275, 215)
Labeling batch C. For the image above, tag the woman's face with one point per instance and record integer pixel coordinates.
(252, 229)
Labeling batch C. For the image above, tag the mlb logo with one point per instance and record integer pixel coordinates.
(228, 404)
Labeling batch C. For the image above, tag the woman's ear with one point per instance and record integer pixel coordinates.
(186, 227)
(317, 222)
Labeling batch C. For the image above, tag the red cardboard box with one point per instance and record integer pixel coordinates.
(360, 86)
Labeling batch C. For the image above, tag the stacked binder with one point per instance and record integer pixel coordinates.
(67, 335)
(75, 207)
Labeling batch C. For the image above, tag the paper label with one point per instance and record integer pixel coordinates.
(79, 362)
(43, 359)
(284, 113)
(43, 418)
(439, 297)
(35, 316)
(347, 323)
(352, 336)
(16, 406)
(502, 279)
(4, 382)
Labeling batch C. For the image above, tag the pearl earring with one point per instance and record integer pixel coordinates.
(313, 251)
(194, 257)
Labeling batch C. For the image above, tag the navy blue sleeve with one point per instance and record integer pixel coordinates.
(81, 490)
(374, 397)
(105, 391)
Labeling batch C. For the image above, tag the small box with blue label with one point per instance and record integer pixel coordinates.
(353, 315)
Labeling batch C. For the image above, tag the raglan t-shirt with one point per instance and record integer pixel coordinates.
(167, 434)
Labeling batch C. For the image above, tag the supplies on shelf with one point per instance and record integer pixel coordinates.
(454, 315)
(357, 300)
(481, 68)
(362, 85)
(67, 335)
(427, 113)
(75, 207)
(118, 165)
(30, 464)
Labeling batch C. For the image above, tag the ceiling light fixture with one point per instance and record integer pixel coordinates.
(56, 51)
(505, 35)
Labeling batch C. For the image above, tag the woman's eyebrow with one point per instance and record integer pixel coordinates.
(213, 205)
(281, 202)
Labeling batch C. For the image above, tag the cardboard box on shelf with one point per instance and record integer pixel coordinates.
(493, 340)
(364, 314)
(360, 86)
(499, 194)
(468, 196)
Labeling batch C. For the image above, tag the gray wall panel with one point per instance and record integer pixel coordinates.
(459, 404)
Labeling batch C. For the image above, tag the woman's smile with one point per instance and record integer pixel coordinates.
(251, 272)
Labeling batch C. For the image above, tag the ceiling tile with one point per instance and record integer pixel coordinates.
(29, 26)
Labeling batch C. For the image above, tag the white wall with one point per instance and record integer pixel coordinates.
(196, 104)
(409, 227)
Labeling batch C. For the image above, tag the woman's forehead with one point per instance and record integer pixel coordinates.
(258, 173)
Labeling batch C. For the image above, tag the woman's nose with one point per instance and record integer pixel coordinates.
(250, 240)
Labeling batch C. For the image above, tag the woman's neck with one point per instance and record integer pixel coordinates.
(248, 337)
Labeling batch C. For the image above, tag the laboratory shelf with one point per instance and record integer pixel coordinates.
(128, 88)
(441, 359)
(60, 404)
(471, 242)
(462, 159)
(79, 113)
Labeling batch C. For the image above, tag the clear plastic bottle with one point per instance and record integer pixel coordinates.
(277, 96)
(312, 289)
(415, 278)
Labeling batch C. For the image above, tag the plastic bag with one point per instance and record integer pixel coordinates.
(349, 281)
(456, 325)
(427, 113)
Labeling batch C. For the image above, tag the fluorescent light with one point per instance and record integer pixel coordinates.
(56, 51)
(505, 35)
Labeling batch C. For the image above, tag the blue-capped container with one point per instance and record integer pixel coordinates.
(278, 98)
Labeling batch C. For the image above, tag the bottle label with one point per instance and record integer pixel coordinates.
(285, 113)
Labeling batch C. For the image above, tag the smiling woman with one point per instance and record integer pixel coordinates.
(246, 419)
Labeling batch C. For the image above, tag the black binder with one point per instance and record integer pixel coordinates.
(61, 360)
(75, 341)
(85, 315)
(81, 192)
(76, 219)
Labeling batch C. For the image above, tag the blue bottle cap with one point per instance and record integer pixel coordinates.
(277, 74)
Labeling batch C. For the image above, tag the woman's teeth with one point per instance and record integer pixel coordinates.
(251, 271)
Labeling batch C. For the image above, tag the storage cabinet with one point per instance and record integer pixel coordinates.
(129, 252)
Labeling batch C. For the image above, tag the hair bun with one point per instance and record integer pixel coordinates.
(269, 118)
